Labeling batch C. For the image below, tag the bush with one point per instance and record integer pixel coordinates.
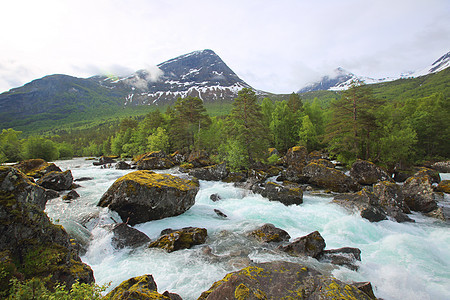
(37, 147)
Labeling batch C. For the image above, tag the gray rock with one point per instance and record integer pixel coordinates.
(367, 173)
(126, 236)
(309, 245)
(287, 195)
(210, 173)
(58, 181)
(418, 193)
(269, 233)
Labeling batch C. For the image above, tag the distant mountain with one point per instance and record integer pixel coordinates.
(341, 79)
(201, 74)
(61, 97)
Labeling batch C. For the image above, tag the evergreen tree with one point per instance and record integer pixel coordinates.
(246, 127)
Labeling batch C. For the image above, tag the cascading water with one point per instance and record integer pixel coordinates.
(401, 260)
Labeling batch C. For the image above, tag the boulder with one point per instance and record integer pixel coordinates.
(367, 173)
(36, 168)
(126, 236)
(324, 162)
(185, 238)
(284, 194)
(442, 166)
(444, 186)
(139, 288)
(418, 193)
(308, 245)
(199, 158)
(37, 247)
(291, 175)
(155, 160)
(142, 196)
(329, 178)
(281, 280)
(70, 196)
(121, 165)
(296, 158)
(390, 194)
(215, 197)
(235, 177)
(346, 256)
(58, 181)
(268, 233)
(364, 202)
(210, 173)
(441, 213)
(433, 174)
(50, 194)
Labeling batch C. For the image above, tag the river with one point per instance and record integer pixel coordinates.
(401, 260)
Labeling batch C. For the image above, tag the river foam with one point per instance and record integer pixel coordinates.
(402, 260)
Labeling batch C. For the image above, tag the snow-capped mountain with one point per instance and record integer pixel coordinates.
(341, 79)
(201, 74)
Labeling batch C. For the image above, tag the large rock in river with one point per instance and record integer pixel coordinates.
(58, 181)
(287, 195)
(419, 194)
(37, 247)
(36, 168)
(329, 178)
(281, 280)
(156, 160)
(366, 172)
(185, 238)
(142, 196)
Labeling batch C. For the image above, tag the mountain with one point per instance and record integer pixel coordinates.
(341, 79)
(200, 74)
(56, 99)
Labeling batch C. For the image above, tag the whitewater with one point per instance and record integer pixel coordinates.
(401, 260)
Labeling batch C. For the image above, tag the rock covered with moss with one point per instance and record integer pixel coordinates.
(367, 173)
(418, 191)
(139, 288)
(329, 178)
(212, 173)
(281, 280)
(37, 247)
(155, 160)
(287, 195)
(142, 196)
(36, 168)
(185, 238)
(57, 181)
(268, 233)
(444, 186)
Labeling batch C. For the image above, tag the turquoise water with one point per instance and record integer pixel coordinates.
(403, 261)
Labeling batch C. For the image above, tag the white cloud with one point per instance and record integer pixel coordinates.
(273, 45)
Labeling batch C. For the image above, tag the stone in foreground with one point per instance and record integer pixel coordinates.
(281, 280)
(143, 196)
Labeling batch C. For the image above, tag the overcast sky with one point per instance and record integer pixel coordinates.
(273, 45)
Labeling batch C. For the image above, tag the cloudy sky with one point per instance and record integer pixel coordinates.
(276, 46)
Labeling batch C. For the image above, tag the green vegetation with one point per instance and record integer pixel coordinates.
(394, 123)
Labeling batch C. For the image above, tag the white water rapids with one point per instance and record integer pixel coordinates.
(401, 260)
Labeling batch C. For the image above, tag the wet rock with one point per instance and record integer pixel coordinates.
(210, 173)
(83, 179)
(215, 197)
(345, 256)
(390, 194)
(58, 181)
(281, 280)
(185, 238)
(441, 213)
(220, 214)
(444, 186)
(156, 160)
(121, 165)
(442, 166)
(366, 287)
(142, 196)
(105, 160)
(287, 195)
(139, 288)
(70, 196)
(39, 248)
(36, 168)
(126, 236)
(309, 245)
(51, 194)
(365, 202)
(268, 233)
(329, 178)
(418, 193)
(77, 233)
(367, 173)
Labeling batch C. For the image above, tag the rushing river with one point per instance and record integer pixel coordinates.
(401, 260)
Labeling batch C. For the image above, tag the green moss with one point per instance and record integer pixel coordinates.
(242, 292)
(43, 260)
(151, 179)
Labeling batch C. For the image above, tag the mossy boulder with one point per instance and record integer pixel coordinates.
(287, 195)
(211, 173)
(418, 191)
(390, 195)
(36, 168)
(155, 160)
(367, 173)
(57, 181)
(142, 196)
(309, 245)
(139, 288)
(442, 166)
(296, 158)
(268, 233)
(444, 186)
(433, 174)
(185, 238)
(329, 178)
(37, 247)
(199, 158)
(281, 280)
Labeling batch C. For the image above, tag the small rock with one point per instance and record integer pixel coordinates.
(220, 214)
(269, 233)
(70, 196)
(345, 256)
(121, 165)
(126, 236)
(215, 197)
(183, 238)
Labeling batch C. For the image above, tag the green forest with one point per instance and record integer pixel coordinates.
(393, 124)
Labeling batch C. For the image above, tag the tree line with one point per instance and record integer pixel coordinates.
(357, 125)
